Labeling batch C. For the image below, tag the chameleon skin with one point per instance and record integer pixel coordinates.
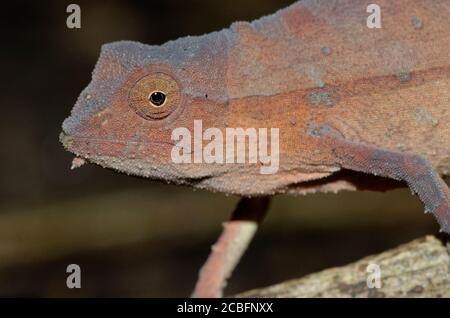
(345, 98)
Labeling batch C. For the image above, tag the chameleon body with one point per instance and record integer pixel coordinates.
(350, 102)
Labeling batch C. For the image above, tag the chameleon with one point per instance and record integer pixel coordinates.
(357, 108)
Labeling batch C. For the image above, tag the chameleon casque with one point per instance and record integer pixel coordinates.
(355, 107)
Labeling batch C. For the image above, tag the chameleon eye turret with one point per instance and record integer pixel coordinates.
(155, 96)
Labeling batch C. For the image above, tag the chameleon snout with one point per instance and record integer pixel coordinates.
(66, 140)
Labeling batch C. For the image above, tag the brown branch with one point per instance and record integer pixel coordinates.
(420, 268)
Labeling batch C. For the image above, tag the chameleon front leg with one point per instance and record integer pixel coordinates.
(413, 169)
(231, 245)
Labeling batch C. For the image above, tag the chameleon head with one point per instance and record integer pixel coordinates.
(138, 95)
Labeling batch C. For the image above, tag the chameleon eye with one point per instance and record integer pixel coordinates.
(155, 96)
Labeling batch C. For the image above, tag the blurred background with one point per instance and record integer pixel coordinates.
(135, 237)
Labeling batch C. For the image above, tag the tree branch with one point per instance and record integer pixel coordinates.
(420, 268)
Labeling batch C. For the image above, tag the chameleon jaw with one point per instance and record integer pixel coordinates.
(67, 142)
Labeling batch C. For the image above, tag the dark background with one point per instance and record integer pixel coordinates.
(135, 237)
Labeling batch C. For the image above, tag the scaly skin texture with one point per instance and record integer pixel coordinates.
(345, 98)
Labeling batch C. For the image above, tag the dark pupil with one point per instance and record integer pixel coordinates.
(157, 98)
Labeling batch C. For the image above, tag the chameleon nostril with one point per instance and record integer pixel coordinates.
(157, 98)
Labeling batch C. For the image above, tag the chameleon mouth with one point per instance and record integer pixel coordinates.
(67, 142)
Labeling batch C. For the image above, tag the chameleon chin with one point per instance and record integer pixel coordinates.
(316, 72)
